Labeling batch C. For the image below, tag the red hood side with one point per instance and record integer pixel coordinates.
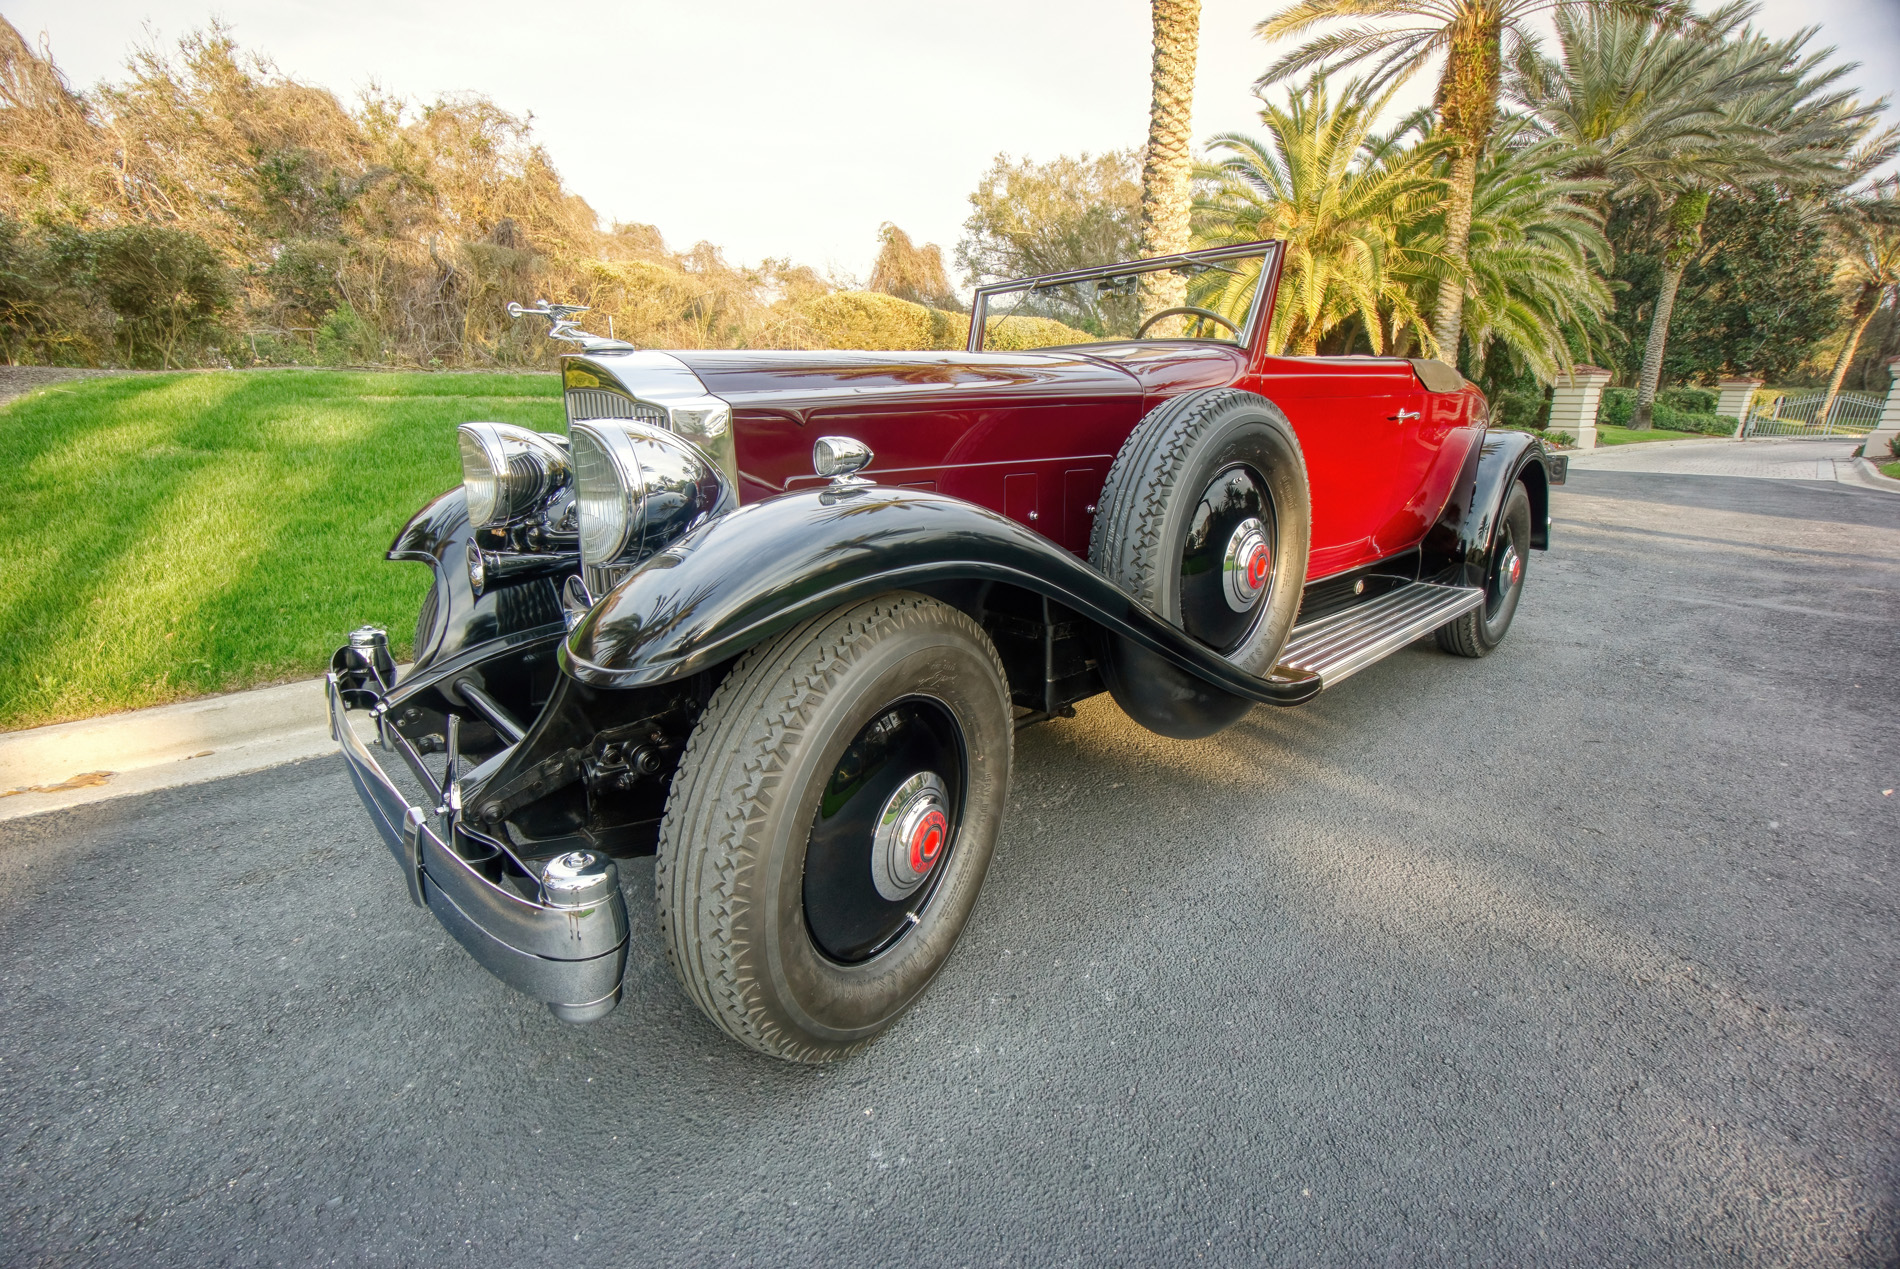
(795, 383)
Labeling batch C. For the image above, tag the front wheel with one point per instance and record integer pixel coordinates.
(1484, 628)
(831, 822)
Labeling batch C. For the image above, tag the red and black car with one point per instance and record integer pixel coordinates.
(777, 616)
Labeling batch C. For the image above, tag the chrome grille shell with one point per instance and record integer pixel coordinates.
(601, 403)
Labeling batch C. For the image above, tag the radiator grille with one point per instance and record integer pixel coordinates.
(597, 403)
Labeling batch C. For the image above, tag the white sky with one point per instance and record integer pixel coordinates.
(775, 128)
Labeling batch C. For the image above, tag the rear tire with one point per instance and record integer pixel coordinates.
(1506, 562)
(831, 822)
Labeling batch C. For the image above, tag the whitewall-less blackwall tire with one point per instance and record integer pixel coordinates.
(831, 822)
(1506, 561)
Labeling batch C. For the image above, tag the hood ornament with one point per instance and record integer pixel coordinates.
(561, 326)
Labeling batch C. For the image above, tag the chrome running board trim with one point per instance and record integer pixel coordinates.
(1339, 645)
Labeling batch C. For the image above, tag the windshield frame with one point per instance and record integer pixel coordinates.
(1266, 248)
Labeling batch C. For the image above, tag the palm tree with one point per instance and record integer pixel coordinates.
(1868, 231)
(1165, 169)
(1475, 38)
(1341, 209)
(1537, 258)
(1678, 117)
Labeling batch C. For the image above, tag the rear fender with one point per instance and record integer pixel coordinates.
(734, 582)
(1455, 550)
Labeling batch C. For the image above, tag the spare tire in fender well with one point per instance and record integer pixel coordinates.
(1202, 479)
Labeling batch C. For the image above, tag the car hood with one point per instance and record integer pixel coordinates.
(796, 382)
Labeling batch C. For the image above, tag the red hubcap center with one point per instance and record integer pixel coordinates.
(1257, 565)
(926, 840)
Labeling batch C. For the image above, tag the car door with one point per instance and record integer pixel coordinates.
(1357, 419)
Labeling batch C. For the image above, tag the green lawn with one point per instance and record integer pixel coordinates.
(168, 536)
(1630, 436)
(1891, 470)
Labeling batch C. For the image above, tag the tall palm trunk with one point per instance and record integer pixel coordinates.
(1653, 349)
(1468, 108)
(1866, 304)
(1165, 193)
(1683, 236)
(1448, 319)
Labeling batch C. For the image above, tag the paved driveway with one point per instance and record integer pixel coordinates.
(1584, 954)
(1770, 458)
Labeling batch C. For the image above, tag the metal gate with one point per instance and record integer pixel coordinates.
(1854, 414)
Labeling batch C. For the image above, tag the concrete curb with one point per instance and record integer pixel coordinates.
(1610, 451)
(1867, 474)
(70, 764)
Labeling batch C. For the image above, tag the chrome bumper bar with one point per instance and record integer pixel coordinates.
(570, 957)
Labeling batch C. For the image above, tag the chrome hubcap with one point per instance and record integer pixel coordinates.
(911, 833)
(1510, 568)
(1246, 565)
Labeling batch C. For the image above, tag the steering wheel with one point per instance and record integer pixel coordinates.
(1187, 310)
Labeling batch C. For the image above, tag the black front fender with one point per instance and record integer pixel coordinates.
(736, 581)
(453, 618)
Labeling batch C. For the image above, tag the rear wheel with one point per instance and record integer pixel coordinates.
(831, 823)
(1484, 628)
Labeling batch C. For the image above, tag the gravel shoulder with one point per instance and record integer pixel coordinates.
(1580, 954)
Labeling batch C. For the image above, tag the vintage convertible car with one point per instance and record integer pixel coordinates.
(777, 617)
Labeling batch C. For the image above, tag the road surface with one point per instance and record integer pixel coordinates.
(1582, 954)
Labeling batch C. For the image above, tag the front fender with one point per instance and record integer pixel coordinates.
(453, 618)
(736, 581)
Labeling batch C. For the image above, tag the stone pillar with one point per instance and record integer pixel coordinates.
(1875, 449)
(1573, 403)
(1733, 398)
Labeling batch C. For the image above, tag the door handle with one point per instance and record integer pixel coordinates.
(1403, 416)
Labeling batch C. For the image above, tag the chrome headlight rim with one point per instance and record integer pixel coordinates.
(661, 485)
(603, 540)
(510, 474)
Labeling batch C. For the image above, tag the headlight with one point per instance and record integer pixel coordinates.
(510, 473)
(638, 488)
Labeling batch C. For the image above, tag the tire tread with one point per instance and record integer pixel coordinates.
(727, 781)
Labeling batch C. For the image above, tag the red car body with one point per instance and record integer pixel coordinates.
(1032, 435)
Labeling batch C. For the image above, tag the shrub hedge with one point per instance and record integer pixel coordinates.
(874, 321)
(1675, 410)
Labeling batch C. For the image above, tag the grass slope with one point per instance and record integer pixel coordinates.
(168, 536)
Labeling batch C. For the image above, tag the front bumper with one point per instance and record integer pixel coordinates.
(569, 957)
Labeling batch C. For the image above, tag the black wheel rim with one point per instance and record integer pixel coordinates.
(1507, 572)
(859, 901)
(1232, 528)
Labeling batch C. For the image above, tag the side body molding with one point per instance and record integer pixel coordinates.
(736, 581)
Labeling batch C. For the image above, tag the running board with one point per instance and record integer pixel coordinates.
(1338, 646)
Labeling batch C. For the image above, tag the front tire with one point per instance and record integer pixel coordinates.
(831, 822)
(1484, 628)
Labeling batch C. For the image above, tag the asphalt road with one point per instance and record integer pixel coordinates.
(1583, 954)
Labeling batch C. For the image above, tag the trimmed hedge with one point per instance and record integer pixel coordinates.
(874, 321)
(1671, 412)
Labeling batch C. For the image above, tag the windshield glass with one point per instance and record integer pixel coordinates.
(1201, 295)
